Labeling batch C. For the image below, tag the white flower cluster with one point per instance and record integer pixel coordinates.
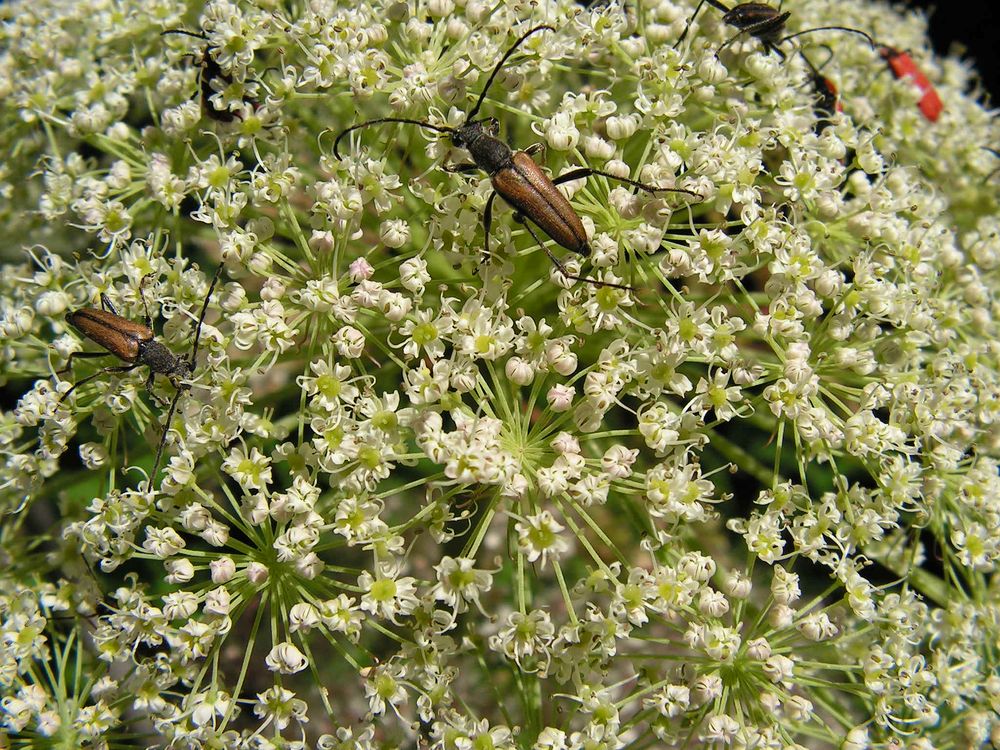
(730, 479)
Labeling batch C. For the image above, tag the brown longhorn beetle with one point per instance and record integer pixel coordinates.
(518, 179)
(762, 21)
(135, 344)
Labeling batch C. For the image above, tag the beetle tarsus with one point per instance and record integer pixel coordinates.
(105, 371)
(560, 266)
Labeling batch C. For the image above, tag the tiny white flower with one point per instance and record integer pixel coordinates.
(539, 537)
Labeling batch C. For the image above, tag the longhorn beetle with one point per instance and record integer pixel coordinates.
(762, 21)
(903, 66)
(211, 71)
(134, 343)
(517, 178)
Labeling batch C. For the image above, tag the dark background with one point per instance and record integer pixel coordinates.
(965, 24)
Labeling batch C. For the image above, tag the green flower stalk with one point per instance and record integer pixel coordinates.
(730, 480)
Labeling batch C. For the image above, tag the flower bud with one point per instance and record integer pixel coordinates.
(256, 573)
(360, 270)
(179, 570)
(218, 602)
(350, 342)
(223, 569)
(561, 133)
(285, 658)
(394, 233)
(560, 398)
(53, 303)
(273, 289)
(519, 371)
(597, 149)
(302, 616)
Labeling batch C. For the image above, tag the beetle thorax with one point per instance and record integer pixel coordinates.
(489, 153)
(161, 360)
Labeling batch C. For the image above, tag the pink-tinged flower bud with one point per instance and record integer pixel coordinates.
(223, 569)
(256, 573)
(560, 398)
(361, 270)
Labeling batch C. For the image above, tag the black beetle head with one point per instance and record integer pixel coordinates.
(464, 135)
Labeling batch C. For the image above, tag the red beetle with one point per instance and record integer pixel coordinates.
(903, 66)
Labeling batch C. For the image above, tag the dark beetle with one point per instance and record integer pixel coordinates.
(762, 21)
(134, 343)
(517, 178)
(129, 341)
(827, 96)
(210, 70)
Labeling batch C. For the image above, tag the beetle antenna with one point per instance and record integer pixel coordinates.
(859, 32)
(690, 21)
(163, 438)
(829, 56)
(814, 71)
(421, 123)
(507, 54)
(204, 311)
(195, 34)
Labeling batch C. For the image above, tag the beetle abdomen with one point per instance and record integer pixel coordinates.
(118, 335)
(759, 19)
(529, 190)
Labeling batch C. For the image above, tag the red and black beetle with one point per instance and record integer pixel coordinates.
(903, 66)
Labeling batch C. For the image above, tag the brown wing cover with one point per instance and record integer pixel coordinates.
(118, 335)
(528, 189)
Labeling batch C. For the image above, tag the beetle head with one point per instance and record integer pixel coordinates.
(465, 134)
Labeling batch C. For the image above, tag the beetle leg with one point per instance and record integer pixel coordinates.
(579, 174)
(460, 168)
(106, 370)
(774, 48)
(142, 296)
(163, 437)
(107, 306)
(713, 3)
(149, 389)
(487, 224)
(81, 355)
(535, 148)
(520, 219)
